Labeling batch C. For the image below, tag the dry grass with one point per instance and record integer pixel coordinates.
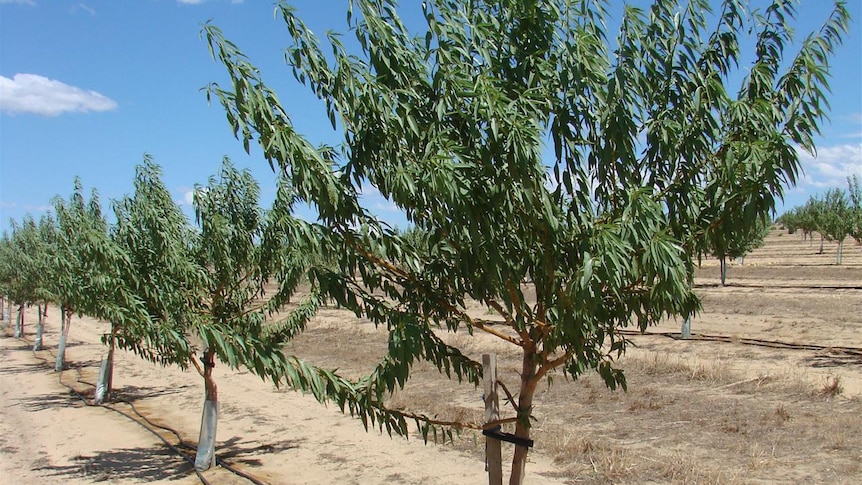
(832, 387)
(705, 412)
(683, 420)
(665, 364)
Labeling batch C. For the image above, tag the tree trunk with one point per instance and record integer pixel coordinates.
(209, 419)
(19, 322)
(839, 253)
(821, 245)
(525, 407)
(106, 373)
(45, 309)
(65, 326)
(2, 310)
(723, 268)
(6, 313)
(40, 330)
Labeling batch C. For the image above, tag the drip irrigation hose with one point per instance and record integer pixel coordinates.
(775, 344)
(175, 449)
(89, 404)
(776, 287)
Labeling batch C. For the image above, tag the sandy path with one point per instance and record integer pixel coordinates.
(281, 436)
(45, 430)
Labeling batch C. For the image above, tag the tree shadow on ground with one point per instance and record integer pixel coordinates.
(134, 393)
(143, 464)
(21, 344)
(42, 402)
(22, 368)
(239, 451)
(83, 364)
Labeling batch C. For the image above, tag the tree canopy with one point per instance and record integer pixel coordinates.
(651, 150)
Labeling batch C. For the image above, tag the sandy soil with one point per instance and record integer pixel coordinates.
(46, 432)
(696, 411)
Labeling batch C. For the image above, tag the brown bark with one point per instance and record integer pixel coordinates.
(525, 406)
(210, 387)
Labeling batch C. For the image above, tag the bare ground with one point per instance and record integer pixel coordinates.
(724, 407)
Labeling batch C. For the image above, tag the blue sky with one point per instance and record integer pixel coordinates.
(88, 87)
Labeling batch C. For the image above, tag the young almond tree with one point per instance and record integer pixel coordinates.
(203, 291)
(729, 239)
(19, 290)
(30, 262)
(6, 278)
(817, 213)
(48, 255)
(161, 274)
(84, 273)
(68, 268)
(854, 191)
(650, 151)
(749, 241)
(837, 219)
(11, 274)
(229, 249)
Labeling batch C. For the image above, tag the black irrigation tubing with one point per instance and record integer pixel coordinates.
(182, 443)
(855, 351)
(801, 265)
(173, 448)
(780, 287)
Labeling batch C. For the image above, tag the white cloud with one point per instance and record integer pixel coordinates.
(832, 165)
(82, 7)
(37, 208)
(28, 2)
(375, 201)
(31, 93)
(187, 196)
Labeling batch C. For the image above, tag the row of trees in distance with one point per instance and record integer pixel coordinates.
(835, 215)
(173, 294)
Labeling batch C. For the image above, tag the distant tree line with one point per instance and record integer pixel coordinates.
(834, 215)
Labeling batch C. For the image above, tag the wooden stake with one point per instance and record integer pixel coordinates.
(493, 450)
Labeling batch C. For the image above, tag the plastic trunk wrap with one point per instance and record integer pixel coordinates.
(40, 330)
(65, 325)
(103, 386)
(206, 443)
(19, 323)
